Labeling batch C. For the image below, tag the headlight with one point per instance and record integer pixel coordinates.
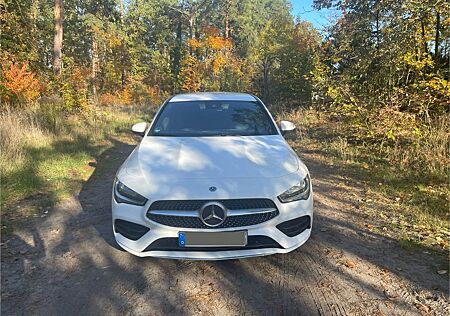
(124, 194)
(300, 191)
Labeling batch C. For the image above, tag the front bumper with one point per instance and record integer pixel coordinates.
(137, 214)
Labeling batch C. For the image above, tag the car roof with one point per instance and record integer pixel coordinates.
(211, 96)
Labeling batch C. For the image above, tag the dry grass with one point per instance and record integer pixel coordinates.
(429, 151)
(47, 152)
(406, 178)
(19, 130)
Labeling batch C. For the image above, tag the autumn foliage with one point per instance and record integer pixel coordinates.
(212, 65)
(19, 85)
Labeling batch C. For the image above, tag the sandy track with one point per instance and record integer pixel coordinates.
(67, 263)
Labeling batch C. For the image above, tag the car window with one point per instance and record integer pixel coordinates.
(213, 118)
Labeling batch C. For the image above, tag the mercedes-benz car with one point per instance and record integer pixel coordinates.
(212, 178)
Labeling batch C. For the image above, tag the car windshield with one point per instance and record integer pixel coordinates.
(213, 118)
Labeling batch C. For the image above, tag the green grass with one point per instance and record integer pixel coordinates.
(53, 165)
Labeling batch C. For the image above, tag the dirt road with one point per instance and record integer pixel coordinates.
(67, 263)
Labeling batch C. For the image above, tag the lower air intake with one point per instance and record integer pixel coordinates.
(295, 226)
(130, 230)
(171, 244)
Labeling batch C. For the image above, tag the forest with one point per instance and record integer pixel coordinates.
(378, 54)
(379, 74)
(108, 52)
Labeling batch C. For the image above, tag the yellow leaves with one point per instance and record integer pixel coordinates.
(218, 63)
(417, 60)
(439, 85)
(126, 95)
(390, 134)
(194, 43)
(332, 92)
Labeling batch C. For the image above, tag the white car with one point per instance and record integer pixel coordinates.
(213, 178)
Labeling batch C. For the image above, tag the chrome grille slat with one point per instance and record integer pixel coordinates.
(193, 205)
(174, 213)
(195, 213)
(250, 211)
(184, 214)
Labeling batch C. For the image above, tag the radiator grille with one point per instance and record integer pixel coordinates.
(196, 222)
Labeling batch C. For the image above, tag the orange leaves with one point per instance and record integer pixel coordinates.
(190, 74)
(212, 43)
(108, 99)
(156, 95)
(20, 84)
(78, 77)
(212, 64)
(218, 63)
(124, 97)
(194, 43)
(217, 43)
(127, 96)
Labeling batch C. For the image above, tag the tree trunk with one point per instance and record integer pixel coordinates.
(378, 28)
(191, 30)
(191, 26)
(57, 43)
(176, 64)
(436, 40)
(227, 18)
(265, 92)
(34, 36)
(424, 41)
(94, 65)
(122, 48)
(122, 11)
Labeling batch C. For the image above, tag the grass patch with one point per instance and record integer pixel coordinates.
(407, 186)
(53, 163)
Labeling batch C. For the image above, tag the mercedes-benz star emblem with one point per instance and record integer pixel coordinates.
(213, 214)
(212, 189)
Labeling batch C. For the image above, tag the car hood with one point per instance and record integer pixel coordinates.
(169, 161)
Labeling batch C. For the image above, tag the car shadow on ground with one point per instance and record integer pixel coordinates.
(83, 270)
(95, 195)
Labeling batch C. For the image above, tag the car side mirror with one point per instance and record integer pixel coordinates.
(139, 128)
(286, 126)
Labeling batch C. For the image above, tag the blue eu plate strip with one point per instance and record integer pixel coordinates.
(181, 240)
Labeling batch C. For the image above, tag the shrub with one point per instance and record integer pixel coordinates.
(74, 89)
(18, 84)
(107, 99)
(124, 97)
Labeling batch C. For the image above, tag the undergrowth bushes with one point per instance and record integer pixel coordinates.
(403, 139)
(404, 175)
(399, 139)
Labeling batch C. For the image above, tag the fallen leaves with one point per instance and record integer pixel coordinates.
(349, 264)
(422, 307)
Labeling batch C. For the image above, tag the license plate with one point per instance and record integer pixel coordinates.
(212, 239)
